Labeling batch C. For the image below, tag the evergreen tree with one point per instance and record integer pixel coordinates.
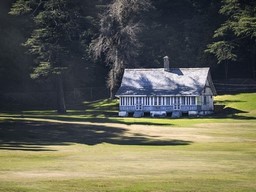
(118, 39)
(57, 25)
(14, 65)
(238, 29)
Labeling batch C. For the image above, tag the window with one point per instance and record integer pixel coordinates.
(199, 100)
(183, 100)
(160, 100)
(167, 100)
(163, 100)
(187, 100)
(155, 100)
(176, 100)
(205, 100)
(193, 100)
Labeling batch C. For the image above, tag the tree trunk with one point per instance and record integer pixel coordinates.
(111, 83)
(253, 60)
(226, 70)
(61, 105)
(111, 94)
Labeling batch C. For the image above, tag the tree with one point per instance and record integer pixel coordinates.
(14, 65)
(57, 25)
(238, 29)
(118, 39)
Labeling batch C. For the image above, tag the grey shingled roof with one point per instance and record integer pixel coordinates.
(176, 81)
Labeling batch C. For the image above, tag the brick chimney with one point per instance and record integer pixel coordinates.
(166, 63)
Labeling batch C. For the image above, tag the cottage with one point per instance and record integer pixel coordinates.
(159, 91)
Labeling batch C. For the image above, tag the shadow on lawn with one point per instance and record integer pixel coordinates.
(219, 114)
(221, 111)
(38, 136)
(84, 116)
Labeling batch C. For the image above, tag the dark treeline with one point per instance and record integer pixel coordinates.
(62, 45)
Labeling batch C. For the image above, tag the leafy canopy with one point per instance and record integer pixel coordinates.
(240, 24)
(56, 24)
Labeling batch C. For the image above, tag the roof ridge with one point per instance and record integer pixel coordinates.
(148, 69)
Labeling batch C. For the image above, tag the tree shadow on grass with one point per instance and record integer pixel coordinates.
(38, 136)
(84, 116)
(221, 111)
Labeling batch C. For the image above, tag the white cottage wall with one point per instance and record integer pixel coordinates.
(158, 103)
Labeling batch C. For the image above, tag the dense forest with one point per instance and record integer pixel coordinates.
(71, 50)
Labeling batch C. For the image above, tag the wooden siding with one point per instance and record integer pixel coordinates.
(207, 103)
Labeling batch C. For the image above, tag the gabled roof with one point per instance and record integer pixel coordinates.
(176, 81)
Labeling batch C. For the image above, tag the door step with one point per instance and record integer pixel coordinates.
(138, 114)
(176, 114)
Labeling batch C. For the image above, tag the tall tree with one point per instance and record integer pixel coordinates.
(14, 65)
(238, 29)
(180, 29)
(118, 39)
(57, 25)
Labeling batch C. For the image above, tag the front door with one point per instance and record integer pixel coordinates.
(138, 104)
(138, 107)
(176, 103)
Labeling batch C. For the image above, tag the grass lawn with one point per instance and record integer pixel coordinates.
(94, 150)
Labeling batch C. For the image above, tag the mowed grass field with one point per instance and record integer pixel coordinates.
(94, 150)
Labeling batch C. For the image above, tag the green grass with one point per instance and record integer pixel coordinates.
(94, 150)
(236, 107)
(242, 104)
(245, 102)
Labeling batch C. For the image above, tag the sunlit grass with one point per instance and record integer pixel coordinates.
(220, 166)
(245, 102)
(236, 107)
(95, 150)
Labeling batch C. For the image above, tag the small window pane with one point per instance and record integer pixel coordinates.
(205, 100)
(193, 100)
(167, 100)
(155, 100)
(183, 100)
